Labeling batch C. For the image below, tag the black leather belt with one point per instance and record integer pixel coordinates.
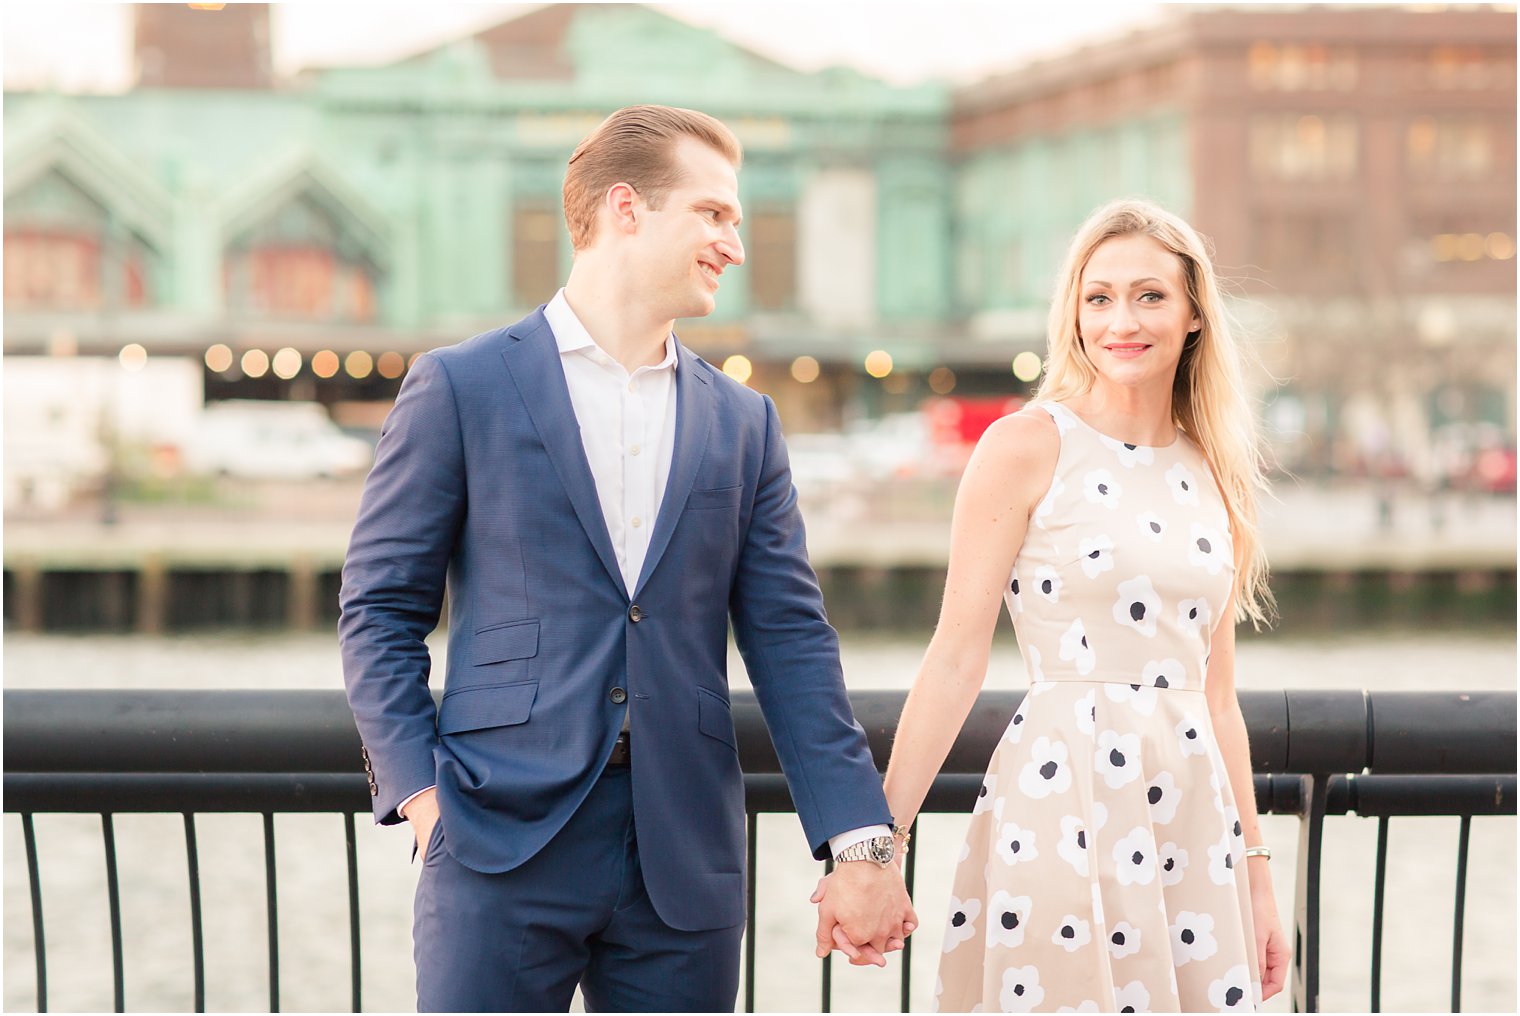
(620, 751)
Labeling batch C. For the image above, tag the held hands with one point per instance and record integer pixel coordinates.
(863, 911)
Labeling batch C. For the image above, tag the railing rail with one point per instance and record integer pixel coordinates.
(1315, 753)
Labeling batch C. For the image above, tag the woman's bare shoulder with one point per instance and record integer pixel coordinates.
(1029, 436)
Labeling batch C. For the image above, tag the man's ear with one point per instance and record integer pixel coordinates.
(625, 207)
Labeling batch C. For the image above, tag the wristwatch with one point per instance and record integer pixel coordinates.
(880, 849)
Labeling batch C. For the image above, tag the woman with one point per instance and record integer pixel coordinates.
(1114, 862)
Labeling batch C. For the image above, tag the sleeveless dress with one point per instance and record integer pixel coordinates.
(1103, 870)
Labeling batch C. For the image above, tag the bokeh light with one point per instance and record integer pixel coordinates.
(255, 363)
(287, 363)
(359, 364)
(219, 358)
(805, 369)
(1027, 366)
(133, 356)
(878, 363)
(942, 380)
(325, 364)
(391, 365)
(739, 368)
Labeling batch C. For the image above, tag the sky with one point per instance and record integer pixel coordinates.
(87, 46)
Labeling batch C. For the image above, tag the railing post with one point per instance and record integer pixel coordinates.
(1311, 832)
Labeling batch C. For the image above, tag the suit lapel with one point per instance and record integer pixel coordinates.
(533, 364)
(694, 414)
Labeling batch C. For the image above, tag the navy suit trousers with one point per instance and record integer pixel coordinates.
(575, 913)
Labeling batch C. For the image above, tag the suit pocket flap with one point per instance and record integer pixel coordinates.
(714, 718)
(515, 641)
(495, 705)
(721, 497)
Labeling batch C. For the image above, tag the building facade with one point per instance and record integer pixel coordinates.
(1354, 168)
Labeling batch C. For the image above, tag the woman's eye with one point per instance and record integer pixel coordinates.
(1151, 297)
(1097, 299)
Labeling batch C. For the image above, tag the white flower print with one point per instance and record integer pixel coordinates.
(984, 795)
(1062, 417)
(1097, 555)
(1014, 597)
(1174, 861)
(1086, 710)
(1047, 581)
(1100, 487)
(1021, 990)
(1232, 992)
(1152, 525)
(1167, 673)
(965, 851)
(962, 924)
(1130, 455)
(1164, 797)
(1048, 502)
(1140, 697)
(1047, 772)
(1016, 844)
(1032, 663)
(1015, 732)
(1183, 483)
(1190, 736)
(1074, 648)
(1207, 549)
(1137, 605)
(1118, 758)
(1193, 616)
(1136, 857)
(1073, 846)
(1192, 938)
(1132, 998)
(1087, 1006)
(1097, 904)
(1072, 933)
(1214, 785)
(1099, 814)
(1123, 940)
(1006, 917)
(1222, 861)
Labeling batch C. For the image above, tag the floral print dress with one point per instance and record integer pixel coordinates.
(1103, 870)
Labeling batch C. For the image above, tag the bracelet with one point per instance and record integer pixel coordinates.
(902, 834)
(1263, 852)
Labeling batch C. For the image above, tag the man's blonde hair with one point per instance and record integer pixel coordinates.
(635, 146)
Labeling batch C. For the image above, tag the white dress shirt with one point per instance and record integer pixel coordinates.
(628, 430)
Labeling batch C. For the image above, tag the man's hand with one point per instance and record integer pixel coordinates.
(422, 813)
(864, 911)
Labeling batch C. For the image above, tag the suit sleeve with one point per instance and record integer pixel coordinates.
(393, 583)
(792, 655)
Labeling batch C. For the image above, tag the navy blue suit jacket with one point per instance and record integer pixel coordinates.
(481, 484)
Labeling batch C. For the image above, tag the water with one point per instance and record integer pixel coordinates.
(313, 914)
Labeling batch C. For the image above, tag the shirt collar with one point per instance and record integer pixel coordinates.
(571, 336)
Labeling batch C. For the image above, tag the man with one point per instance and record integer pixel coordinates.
(600, 504)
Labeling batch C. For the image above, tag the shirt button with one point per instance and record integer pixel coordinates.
(633, 449)
(632, 387)
(636, 522)
(635, 614)
(618, 696)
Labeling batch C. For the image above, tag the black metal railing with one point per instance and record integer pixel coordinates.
(1316, 754)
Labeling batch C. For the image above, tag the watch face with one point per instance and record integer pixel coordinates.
(881, 850)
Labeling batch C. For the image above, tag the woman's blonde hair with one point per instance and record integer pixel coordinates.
(1209, 402)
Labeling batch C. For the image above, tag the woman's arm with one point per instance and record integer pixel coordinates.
(1230, 732)
(1007, 475)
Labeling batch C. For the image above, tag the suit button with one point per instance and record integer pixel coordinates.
(635, 614)
(618, 696)
(374, 791)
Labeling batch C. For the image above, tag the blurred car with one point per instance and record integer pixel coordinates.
(273, 441)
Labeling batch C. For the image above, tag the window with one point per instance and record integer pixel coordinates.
(1310, 68)
(1468, 68)
(1306, 247)
(771, 258)
(536, 229)
(1449, 148)
(1303, 147)
(49, 269)
(299, 263)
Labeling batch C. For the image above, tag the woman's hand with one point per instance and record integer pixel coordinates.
(1271, 943)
